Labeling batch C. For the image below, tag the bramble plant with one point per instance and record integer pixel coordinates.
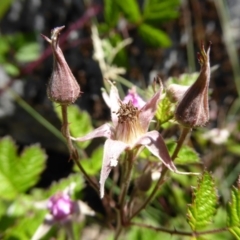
(145, 179)
(133, 152)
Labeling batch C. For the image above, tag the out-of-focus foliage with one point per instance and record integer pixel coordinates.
(20, 170)
(147, 21)
(233, 219)
(19, 173)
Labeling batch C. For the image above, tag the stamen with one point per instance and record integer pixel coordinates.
(129, 128)
(127, 112)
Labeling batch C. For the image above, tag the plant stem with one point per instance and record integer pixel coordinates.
(183, 233)
(160, 181)
(73, 151)
(180, 142)
(128, 165)
(31, 111)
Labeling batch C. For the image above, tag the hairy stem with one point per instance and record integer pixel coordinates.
(128, 165)
(73, 151)
(180, 142)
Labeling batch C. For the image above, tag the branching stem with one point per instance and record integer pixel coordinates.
(160, 181)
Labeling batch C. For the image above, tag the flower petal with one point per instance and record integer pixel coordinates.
(103, 131)
(148, 111)
(115, 103)
(154, 142)
(41, 231)
(112, 150)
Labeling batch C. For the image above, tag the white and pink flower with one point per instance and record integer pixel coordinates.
(129, 129)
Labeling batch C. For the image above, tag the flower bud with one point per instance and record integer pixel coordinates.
(60, 206)
(143, 183)
(63, 87)
(193, 109)
(133, 97)
(175, 92)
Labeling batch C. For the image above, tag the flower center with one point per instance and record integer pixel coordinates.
(129, 128)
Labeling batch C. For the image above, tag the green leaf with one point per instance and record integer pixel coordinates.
(186, 79)
(233, 147)
(121, 59)
(4, 5)
(187, 155)
(4, 45)
(111, 12)
(153, 37)
(233, 212)
(130, 9)
(25, 226)
(164, 110)
(60, 186)
(93, 164)
(80, 122)
(11, 69)
(28, 52)
(203, 207)
(158, 11)
(19, 173)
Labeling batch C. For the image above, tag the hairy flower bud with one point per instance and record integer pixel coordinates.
(193, 109)
(60, 206)
(63, 87)
(175, 92)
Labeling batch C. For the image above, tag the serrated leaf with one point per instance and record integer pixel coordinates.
(130, 9)
(233, 213)
(79, 122)
(186, 155)
(164, 110)
(203, 207)
(154, 37)
(19, 173)
(111, 12)
(28, 53)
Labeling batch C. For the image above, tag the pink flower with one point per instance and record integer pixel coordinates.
(132, 96)
(60, 206)
(129, 129)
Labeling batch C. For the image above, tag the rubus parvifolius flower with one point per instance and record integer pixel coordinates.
(192, 110)
(63, 87)
(129, 129)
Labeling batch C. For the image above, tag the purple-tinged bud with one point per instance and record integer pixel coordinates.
(134, 98)
(193, 109)
(63, 87)
(175, 92)
(60, 206)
